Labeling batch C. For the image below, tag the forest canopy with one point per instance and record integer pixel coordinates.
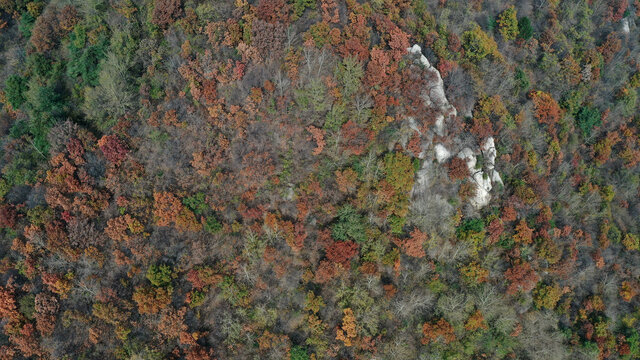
(319, 179)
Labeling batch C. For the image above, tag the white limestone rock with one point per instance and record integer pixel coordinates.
(442, 154)
(435, 97)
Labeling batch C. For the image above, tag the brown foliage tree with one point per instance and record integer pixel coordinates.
(45, 32)
(268, 38)
(46, 307)
(458, 169)
(166, 12)
(67, 18)
(273, 11)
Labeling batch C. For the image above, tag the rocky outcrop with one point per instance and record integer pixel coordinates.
(483, 175)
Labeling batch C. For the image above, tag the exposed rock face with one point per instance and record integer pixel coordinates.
(435, 95)
(484, 176)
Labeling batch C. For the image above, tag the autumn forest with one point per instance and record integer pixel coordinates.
(319, 179)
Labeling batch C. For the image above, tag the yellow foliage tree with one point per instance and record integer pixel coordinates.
(347, 333)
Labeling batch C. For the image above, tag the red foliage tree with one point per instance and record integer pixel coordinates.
(495, 229)
(268, 38)
(8, 216)
(114, 149)
(325, 272)
(330, 12)
(445, 67)
(198, 352)
(377, 68)
(341, 252)
(610, 47)
(399, 43)
(522, 277)
(318, 136)
(355, 138)
(273, 11)
(8, 308)
(616, 10)
(202, 277)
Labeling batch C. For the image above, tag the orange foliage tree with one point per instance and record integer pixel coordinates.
(524, 234)
(413, 245)
(475, 322)
(318, 136)
(439, 330)
(169, 210)
(151, 299)
(547, 110)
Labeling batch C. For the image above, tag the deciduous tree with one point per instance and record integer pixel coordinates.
(508, 23)
(347, 332)
(439, 330)
(166, 12)
(522, 277)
